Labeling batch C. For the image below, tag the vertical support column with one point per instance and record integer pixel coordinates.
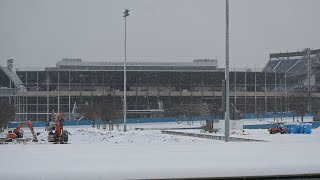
(48, 96)
(23, 104)
(10, 86)
(58, 91)
(16, 103)
(27, 80)
(136, 100)
(37, 81)
(180, 87)
(202, 90)
(255, 90)
(245, 91)
(26, 97)
(158, 91)
(275, 93)
(280, 99)
(37, 116)
(22, 108)
(170, 87)
(69, 97)
(26, 100)
(147, 90)
(286, 93)
(19, 107)
(191, 85)
(235, 88)
(223, 97)
(265, 92)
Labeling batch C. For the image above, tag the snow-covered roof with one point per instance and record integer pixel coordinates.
(78, 64)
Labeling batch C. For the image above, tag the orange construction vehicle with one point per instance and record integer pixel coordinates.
(277, 128)
(18, 133)
(56, 133)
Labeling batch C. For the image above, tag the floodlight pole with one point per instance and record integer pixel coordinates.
(309, 78)
(126, 14)
(227, 109)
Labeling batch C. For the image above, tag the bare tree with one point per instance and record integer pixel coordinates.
(91, 111)
(103, 108)
(189, 110)
(7, 113)
(315, 102)
(177, 110)
(111, 112)
(298, 102)
(199, 109)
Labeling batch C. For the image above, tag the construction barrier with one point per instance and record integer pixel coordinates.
(271, 115)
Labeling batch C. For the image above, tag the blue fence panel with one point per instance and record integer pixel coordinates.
(43, 124)
(129, 121)
(258, 126)
(34, 124)
(171, 119)
(272, 115)
(77, 123)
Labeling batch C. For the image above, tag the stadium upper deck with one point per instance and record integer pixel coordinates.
(299, 68)
(78, 64)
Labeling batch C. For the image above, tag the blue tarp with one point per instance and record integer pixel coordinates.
(295, 128)
(307, 128)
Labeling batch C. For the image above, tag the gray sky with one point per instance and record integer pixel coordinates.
(41, 32)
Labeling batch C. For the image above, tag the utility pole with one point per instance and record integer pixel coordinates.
(126, 14)
(309, 77)
(227, 113)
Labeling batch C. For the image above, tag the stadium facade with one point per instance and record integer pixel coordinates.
(155, 87)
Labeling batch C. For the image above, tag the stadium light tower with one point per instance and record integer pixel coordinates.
(227, 110)
(126, 14)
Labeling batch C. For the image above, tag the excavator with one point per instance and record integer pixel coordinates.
(277, 128)
(56, 132)
(18, 133)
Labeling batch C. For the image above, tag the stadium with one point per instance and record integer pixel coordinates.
(153, 88)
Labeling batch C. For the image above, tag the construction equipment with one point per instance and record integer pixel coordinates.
(208, 127)
(277, 128)
(56, 133)
(18, 133)
(316, 117)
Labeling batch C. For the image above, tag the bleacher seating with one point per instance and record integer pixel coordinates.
(295, 71)
(282, 66)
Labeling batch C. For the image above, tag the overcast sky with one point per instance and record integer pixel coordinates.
(41, 32)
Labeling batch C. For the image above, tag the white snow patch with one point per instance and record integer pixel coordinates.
(144, 154)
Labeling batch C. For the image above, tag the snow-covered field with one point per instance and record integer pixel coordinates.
(144, 154)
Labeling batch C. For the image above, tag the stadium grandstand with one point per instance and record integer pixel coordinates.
(301, 69)
(153, 88)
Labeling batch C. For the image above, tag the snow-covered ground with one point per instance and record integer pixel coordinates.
(143, 154)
